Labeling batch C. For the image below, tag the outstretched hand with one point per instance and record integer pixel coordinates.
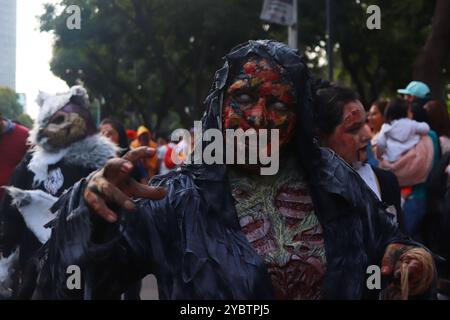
(113, 185)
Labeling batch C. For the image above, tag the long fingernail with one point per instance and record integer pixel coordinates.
(111, 218)
(129, 205)
(126, 167)
(385, 270)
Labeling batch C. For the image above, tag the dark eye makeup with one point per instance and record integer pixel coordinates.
(58, 120)
(355, 128)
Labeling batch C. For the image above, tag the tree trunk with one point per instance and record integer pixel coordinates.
(430, 60)
(350, 66)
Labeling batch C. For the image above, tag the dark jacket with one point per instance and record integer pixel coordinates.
(436, 228)
(390, 193)
(195, 255)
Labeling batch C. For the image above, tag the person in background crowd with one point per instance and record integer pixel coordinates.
(439, 121)
(417, 94)
(66, 148)
(165, 149)
(342, 128)
(161, 141)
(385, 185)
(13, 146)
(375, 119)
(131, 134)
(114, 130)
(399, 134)
(412, 170)
(144, 139)
(184, 147)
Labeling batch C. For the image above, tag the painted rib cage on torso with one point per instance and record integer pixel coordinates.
(277, 216)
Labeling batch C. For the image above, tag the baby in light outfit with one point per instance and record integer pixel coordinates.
(399, 134)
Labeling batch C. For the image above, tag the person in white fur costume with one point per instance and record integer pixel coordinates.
(65, 147)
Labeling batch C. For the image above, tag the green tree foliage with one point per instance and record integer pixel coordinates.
(25, 120)
(156, 58)
(150, 57)
(9, 107)
(432, 62)
(377, 62)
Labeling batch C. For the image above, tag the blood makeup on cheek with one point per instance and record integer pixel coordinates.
(279, 119)
(262, 71)
(233, 117)
(250, 67)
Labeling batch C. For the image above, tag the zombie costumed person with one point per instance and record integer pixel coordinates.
(65, 148)
(226, 232)
(340, 121)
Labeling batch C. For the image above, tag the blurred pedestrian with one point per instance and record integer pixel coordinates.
(131, 134)
(184, 147)
(165, 148)
(417, 94)
(144, 139)
(114, 130)
(412, 167)
(342, 128)
(399, 134)
(375, 118)
(13, 146)
(439, 121)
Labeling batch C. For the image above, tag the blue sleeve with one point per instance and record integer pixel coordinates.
(437, 151)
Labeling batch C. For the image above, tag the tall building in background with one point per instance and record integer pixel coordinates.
(8, 43)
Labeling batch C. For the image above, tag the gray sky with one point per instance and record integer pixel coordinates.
(34, 52)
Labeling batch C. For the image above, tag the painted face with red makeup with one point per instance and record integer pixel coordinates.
(351, 136)
(261, 96)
